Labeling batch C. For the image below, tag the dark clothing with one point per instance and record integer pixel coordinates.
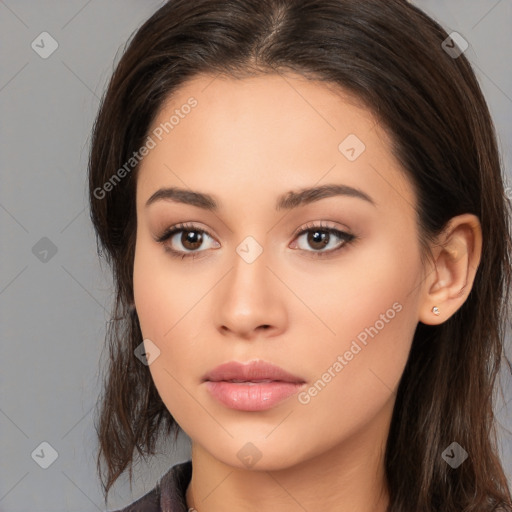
(169, 493)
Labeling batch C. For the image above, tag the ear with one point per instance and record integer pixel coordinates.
(449, 279)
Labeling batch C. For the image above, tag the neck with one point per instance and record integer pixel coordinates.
(347, 477)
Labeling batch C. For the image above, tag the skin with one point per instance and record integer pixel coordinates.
(246, 143)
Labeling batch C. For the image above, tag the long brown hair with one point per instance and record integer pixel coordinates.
(390, 55)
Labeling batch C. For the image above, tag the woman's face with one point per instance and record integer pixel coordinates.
(336, 310)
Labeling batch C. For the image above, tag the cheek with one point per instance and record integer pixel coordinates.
(167, 304)
(354, 378)
(147, 293)
(370, 311)
(359, 293)
(162, 294)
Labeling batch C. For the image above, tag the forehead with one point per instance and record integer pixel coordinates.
(252, 110)
(268, 132)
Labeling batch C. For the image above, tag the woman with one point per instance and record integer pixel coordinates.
(303, 206)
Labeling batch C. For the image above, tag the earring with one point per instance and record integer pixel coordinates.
(435, 310)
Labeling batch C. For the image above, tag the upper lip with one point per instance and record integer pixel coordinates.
(253, 371)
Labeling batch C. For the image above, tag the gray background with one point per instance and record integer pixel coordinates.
(54, 306)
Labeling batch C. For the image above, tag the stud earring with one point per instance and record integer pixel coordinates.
(435, 310)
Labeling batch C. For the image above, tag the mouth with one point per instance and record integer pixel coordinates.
(253, 371)
(255, 386)
(238, 381)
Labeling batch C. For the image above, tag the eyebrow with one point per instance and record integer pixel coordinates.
(290, 200)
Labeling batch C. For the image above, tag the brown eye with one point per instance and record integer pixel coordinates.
(191, 240)
(185, 240)
(320, 237)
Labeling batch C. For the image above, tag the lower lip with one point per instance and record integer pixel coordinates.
(256, 396)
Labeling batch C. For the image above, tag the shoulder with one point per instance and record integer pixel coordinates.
(168, 494)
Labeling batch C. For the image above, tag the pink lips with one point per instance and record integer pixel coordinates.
(255, 386)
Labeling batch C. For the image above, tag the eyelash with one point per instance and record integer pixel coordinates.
(169, 232)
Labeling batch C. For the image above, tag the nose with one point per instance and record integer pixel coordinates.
(249, 301)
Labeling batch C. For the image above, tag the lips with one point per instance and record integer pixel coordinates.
(255, 386)
(255, 371)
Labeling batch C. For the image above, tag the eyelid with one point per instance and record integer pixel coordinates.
(176, 228)
(318, 225)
